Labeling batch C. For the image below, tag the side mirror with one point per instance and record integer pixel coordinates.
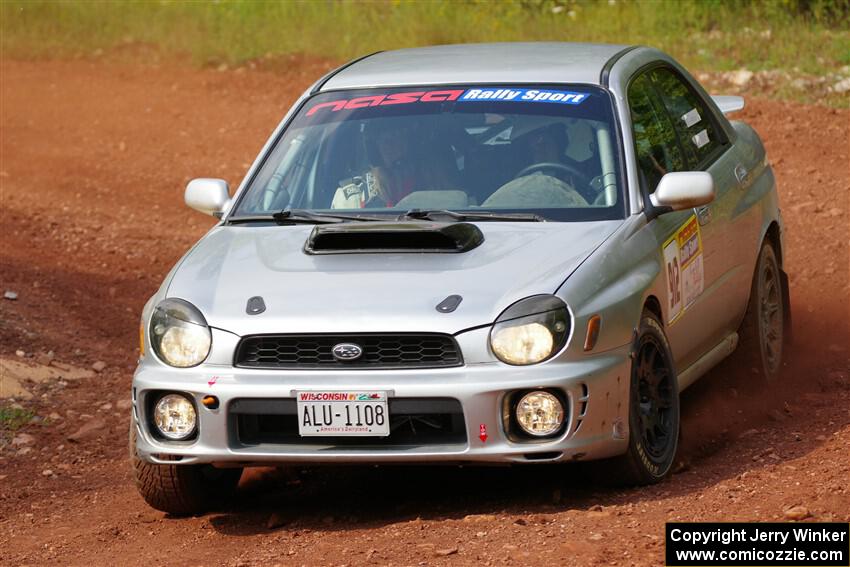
(683, 190)
(209, 196)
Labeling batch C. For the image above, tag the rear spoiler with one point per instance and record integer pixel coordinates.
(728, 104)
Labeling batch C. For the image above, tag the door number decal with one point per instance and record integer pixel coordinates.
(684, 268)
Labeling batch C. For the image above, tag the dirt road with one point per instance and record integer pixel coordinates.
(95, 156)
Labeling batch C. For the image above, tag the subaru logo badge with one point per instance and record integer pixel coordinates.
(346, 352)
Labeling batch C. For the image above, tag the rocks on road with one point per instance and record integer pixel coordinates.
(91, 429)
(797, 513)
(17, 375)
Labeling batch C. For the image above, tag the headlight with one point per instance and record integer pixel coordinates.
(531, 330)
(540, 413)
(174, 417)
(179, 333)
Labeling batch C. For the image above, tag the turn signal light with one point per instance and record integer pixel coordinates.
(210, 402)
(141, 340)
(593, 326)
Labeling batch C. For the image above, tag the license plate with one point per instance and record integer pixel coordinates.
(341, 414)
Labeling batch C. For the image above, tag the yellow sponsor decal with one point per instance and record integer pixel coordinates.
(683, 264)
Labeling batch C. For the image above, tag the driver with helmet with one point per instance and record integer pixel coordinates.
(546, 151)
(549, 177)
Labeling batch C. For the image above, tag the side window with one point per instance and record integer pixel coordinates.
(656, 143)
(699, 134)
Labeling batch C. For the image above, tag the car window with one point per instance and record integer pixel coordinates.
(656, 143)
(701, 137)
(552, 151)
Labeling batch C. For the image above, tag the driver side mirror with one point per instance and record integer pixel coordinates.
(209, 196)
(683, 190)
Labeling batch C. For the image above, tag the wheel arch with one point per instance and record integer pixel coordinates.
(773, 234)
(653, 305)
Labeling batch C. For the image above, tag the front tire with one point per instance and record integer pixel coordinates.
(181, 490)
(653, 408)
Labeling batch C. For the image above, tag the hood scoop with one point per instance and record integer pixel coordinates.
(393, 238)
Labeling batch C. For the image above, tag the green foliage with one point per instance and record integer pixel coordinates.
(12, 419)
(813, 35)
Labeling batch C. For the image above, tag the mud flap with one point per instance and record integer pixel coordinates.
(788, 333)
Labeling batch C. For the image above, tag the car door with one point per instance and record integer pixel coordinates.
(707, 148)
(659, 150)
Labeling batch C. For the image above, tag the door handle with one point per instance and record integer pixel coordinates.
(740, 173)
(704, 215)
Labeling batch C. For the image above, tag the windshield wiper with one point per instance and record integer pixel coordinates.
(300, 216)
(434, 214)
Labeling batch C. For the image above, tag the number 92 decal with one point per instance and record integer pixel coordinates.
(684, 268)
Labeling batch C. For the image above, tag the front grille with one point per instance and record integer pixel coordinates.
(414, 422)
(379, 351)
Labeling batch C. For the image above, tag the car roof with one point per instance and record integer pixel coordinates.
(477, 63)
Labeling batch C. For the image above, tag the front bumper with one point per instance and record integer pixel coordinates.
(595, 389)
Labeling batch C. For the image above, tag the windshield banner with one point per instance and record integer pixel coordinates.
(524, 95)
(493, 94)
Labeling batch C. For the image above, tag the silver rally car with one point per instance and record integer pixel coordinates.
(503, 253)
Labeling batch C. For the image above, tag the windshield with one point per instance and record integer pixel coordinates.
(549, 151)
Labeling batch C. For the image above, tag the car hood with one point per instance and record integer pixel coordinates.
(375, 292)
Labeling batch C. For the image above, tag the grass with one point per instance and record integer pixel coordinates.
(804, 36)
(12, 419)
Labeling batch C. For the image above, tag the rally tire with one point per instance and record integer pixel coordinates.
(653, 409)
(181, 490)
(763, 331)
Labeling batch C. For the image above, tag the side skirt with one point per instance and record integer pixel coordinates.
(708, 361)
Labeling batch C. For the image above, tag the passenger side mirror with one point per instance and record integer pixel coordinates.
(683, 190)
(209, 196)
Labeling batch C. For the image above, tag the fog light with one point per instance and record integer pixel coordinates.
(540, 413)
(174, 417)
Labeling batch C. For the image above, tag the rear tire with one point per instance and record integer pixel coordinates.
(653, 408)
(763, 328)
(181, 490)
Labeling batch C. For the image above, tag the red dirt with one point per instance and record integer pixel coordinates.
(94, 159)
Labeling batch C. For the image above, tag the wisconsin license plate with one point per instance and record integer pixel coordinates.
(339, 414)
